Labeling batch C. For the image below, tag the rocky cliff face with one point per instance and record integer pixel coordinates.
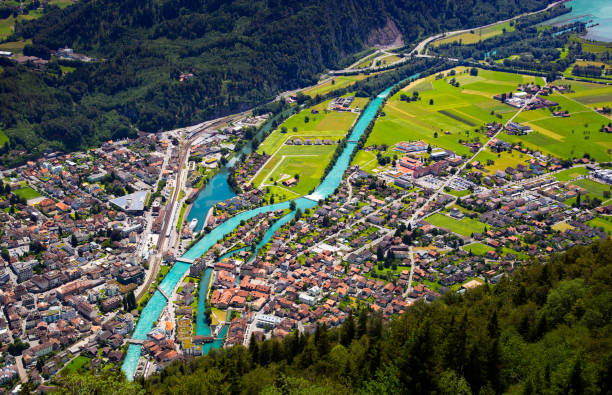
(386, 36)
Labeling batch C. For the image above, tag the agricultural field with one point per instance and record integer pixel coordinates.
(570, 137)
(305, 124)
(589, 94)
(476, 35)
(7, 25)
(454, 112)
(465, 226)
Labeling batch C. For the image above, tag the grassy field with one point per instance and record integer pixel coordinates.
(562, 226)
(464, 227)
(14, 46)
(322, 125)
(333, 84)
(77, 365)
(7, 26)
(571, 174)
(3, 138)
(567, 137)
(477, 35)
(308, 162)
(478, 248)
(367, 62)
(502, 160)
(593, 187)
(455, 110)
(592, 46)
(602, 222)
(27, 193)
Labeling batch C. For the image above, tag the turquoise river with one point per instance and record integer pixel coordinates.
(596, 13)
(156, 304)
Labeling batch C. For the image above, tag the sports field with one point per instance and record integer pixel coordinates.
(308, 162)
(477, 35)
(27, 193)
(465, 226)
(454, 112)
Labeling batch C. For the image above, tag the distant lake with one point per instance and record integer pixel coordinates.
(591, 11)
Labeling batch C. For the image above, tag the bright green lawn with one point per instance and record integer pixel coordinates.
(3, 138)
(325, 124)
(571, 174)
(78, 364)
(478, 248)
(602, 222)
(464, 227)
(307, 161)
(27, 193)
(338, 82)
(565, 137)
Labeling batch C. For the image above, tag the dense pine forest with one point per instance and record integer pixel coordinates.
(544, 330)
(241, 54)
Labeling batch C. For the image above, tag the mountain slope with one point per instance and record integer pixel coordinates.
(545, 330)
(240, 52)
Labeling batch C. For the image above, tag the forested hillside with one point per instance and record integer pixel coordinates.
(545, 330)
(241, 53)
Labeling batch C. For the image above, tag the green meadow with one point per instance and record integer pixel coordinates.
(571, 174)
(465, 226)
(476, 35)
(337, 82)
(455, 110)
(567, 137)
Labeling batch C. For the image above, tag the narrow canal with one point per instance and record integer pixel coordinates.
(156, 304)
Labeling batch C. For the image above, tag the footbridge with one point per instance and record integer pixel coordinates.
(163, 293)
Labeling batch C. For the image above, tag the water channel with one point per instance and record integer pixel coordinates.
(156, 304)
